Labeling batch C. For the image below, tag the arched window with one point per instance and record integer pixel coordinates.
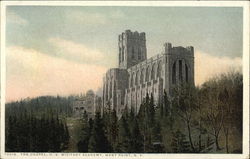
(110, 87)
(120, 58)
(122, 53)
(106, 89)
(186, 71)
(137, 78)
(142, 76)
(132, 80)
(180, 71)
(114, 84)
(159, 69)
(147, 74)
(133, 53)
(128, 80)
(174, 73)
(139, 53)
(153, 72)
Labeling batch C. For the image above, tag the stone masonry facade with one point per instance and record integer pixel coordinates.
(137, 75)
(90, 103)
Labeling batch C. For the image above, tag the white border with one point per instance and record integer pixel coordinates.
(246, 76)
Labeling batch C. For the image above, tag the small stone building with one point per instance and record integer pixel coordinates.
(84, 103)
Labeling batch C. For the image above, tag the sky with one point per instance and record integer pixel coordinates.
(66, 50)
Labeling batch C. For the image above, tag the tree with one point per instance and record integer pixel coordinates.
(224, 98)
(230, 97)
(214, 113)
(156, 133)
(200, 125)
(166, 111)
(136, 139)
(11, 137)
(124, 136)
(85, 134)
(184, 101)
(114, 129)
(66, 135)
(98, 141)
(151, 111)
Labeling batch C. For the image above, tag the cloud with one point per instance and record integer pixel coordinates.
(12, 17)
(94, 18)
(87, 18)
(32, 73)
(118, 14)
(75, 51)
(207, 66)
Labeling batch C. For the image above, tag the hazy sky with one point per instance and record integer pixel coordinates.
(66, 50)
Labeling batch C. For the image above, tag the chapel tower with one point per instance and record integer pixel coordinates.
(132, 49)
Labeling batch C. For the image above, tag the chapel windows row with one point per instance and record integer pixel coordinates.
(145, 75)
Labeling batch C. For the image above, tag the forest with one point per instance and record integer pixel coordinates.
(37, 125)
(203, 119)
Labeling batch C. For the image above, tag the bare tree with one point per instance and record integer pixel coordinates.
(184, 99)
(213, 114)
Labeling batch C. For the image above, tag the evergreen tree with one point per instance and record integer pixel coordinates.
(156, 133)
(136, 139)
(98, 141)
(151, 111)
(166, 105)
(114, 129)
(85, 134)
(145, 116)
(91, 123)
(66, 135)
(131, 118)
(124, 136)
(11, 138)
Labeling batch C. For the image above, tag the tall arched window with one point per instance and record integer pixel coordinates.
(133, 53)
(174, 73)
(129, 85)
(107, 87)
(137, 78)
(122, 53)
(147, 74)
(132, 80)
(114, 86)
(120, 56)
(180, 71)
(110, 89)
(142, 76)
(186, 72)
(139, 53)
(159, 69)
(153, 72)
